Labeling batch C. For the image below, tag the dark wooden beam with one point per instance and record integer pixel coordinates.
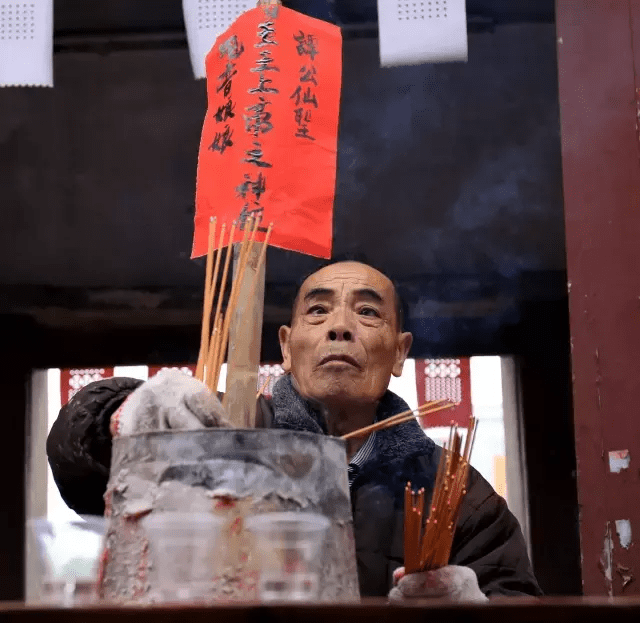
(567, 610)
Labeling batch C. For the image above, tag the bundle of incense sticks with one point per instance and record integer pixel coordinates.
(427, 544)
(401, 418)
(215, 326)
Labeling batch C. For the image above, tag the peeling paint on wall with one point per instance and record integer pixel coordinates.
(606, 559)
(626, 574)
(619, 460)
(623, 528)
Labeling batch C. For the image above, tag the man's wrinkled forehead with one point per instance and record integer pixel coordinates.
(345, 277)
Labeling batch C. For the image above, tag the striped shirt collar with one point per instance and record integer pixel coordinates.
(361, 457)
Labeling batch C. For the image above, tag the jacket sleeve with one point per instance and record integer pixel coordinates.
(264, 413)
(488, 539)
(79, 443)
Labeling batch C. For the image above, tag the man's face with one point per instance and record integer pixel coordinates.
(344, 342)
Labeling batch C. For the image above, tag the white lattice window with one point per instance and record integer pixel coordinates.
(205, 20)
(17, 21)
(443, 380)
(26, 43)
(412, 32)
(74, 379)
(422, 10)
(268, 375)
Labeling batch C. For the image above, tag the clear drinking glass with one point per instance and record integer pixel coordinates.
(69, 553)
(182, 547)
(288, 547)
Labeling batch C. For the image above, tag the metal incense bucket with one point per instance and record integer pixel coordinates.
(232, 473)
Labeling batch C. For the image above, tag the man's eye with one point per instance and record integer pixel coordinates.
(316, 310)
(369, 311)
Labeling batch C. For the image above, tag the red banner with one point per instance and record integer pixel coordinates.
(269, 139)
(448, 379)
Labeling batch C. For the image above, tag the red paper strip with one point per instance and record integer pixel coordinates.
(269, 139)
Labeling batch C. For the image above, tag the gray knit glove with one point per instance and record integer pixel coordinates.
(451, 583)
(169, 400)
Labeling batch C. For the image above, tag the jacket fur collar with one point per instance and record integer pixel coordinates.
(395, 444)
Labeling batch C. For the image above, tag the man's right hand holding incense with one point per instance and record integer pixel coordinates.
(451, 583)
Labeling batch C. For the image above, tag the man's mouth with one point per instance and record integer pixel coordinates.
(343, 358)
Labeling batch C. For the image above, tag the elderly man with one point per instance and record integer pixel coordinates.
(344, 343)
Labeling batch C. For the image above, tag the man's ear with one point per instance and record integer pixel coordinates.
(283, 335)
(402, 351)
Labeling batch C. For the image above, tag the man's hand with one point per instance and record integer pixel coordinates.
(450, 583)
(169, 400)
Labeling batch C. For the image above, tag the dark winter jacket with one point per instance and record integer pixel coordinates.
(488, 538)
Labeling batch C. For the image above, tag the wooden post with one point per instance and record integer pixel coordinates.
(245, 338)
(599, 94)
(245, 334)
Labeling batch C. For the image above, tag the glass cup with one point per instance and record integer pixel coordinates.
(288, 547)
(69, 553)
(182, 548)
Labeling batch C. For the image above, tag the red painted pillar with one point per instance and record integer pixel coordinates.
(599, 60)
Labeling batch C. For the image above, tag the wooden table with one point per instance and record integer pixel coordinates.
(546, 610)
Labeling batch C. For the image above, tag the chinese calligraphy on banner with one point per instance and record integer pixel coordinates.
(269, 139)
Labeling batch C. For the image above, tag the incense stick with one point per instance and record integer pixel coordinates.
(410, 413)
(206, 311)
(400, 418)
(264, 386)
(385, 424)
(430, 546)
(244, 318)
(228, 315)
(216, 327)
(217, 323)
(256, 276)
(235, 290)
(215, 338)
(212, 293)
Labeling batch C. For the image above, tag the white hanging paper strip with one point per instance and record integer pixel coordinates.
(26, 43)
(412, 33)
(205, 20)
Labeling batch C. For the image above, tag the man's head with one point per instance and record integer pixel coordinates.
(345, 339)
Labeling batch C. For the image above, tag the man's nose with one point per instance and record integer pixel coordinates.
(340, 329)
